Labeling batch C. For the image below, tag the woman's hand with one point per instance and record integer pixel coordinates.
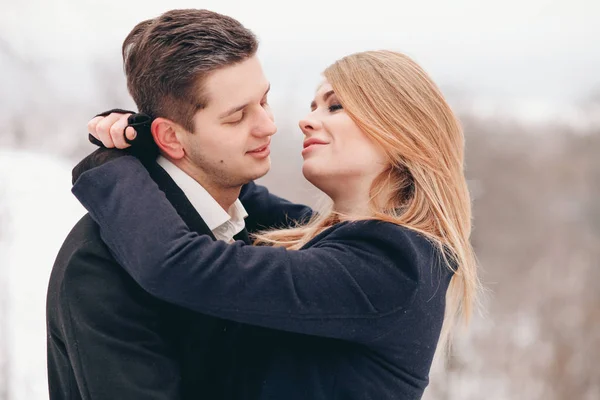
(118, 133)
(112, 130)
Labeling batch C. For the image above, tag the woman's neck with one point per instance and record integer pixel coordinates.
(354, 201)
(351, 208)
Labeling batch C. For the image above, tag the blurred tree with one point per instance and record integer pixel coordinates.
(537, 236)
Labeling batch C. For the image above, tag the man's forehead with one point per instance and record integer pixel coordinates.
(238, 83)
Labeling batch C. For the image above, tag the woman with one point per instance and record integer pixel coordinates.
(355, 299)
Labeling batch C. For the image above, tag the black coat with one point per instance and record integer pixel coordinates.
(109, 339)
(355, 314)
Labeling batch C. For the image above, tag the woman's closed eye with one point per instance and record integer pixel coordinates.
(335, 107)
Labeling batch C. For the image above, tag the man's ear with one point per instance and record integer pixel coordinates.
(164, 132)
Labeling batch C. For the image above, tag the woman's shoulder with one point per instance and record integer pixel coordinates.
(391, 243)
(382, 232)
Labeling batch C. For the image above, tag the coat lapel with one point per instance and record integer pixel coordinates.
(177, 198)
(184, 208)
(243, 235)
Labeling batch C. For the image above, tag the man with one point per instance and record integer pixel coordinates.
(196, 74)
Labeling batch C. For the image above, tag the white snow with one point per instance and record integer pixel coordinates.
(37, 211)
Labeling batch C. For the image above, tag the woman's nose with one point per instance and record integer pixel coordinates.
(309, 124)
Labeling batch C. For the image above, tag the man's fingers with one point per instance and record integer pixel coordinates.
(117, 131)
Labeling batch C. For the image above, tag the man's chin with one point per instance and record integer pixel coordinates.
(259, 175)
(256, 173)
(263, 169)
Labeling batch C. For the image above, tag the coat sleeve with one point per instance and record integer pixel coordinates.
(351, 286)
(268, 211)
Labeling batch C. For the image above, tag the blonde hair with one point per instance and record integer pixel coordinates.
(395, 103)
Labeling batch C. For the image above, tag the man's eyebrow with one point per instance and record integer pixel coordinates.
(327, 95)
(239, 108)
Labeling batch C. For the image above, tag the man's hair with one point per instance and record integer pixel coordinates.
(166, 60)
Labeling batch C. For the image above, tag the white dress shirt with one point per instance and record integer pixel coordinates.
(224, 225)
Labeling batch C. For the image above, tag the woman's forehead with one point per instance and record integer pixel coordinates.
(323, 87)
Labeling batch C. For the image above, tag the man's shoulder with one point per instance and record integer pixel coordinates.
(85, 266)
(85, 230)
(83, 239)
(81, 255)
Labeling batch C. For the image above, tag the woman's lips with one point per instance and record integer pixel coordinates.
(311, 146)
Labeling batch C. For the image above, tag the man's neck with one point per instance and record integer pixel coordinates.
(225, 196)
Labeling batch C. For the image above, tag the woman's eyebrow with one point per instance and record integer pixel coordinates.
(327, 95)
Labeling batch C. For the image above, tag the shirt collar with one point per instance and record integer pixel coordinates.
(211, 212)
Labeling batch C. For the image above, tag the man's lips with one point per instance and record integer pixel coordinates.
(261, 152)
(259, 149)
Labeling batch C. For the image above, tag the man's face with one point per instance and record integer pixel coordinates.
(231, 142)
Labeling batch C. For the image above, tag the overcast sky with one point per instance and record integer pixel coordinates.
(528, 49)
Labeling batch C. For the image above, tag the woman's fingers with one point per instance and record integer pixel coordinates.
(130, 133)
(103, 130)
(109, 130)
(117, 131)
(92, 126)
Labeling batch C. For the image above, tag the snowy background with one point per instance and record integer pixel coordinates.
(523, 75)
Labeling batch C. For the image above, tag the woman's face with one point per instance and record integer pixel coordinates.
(337, 154)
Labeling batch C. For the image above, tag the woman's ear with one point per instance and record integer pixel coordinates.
(165, 136)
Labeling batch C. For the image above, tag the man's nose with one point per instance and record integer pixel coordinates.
(266, 126)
